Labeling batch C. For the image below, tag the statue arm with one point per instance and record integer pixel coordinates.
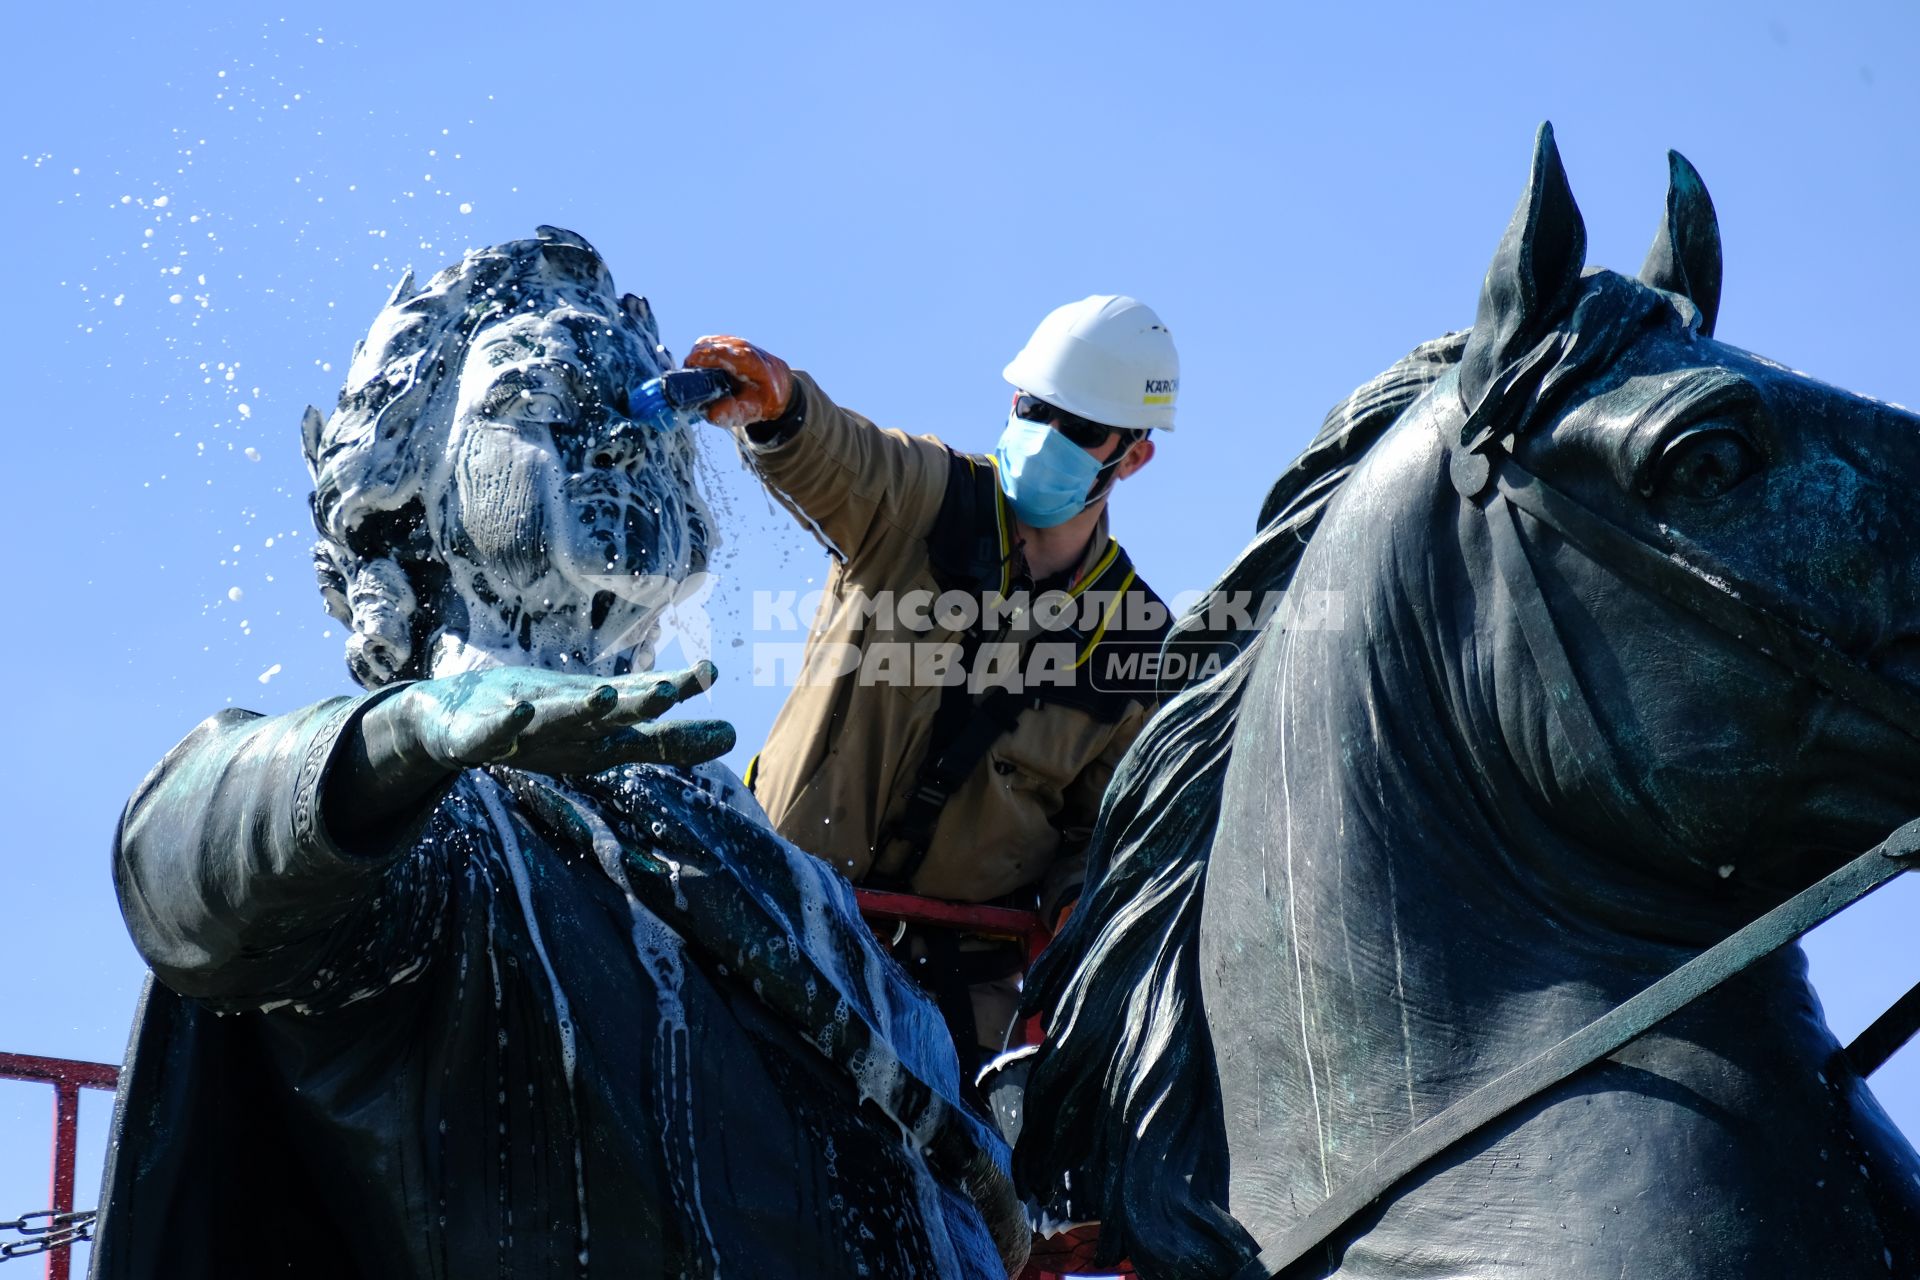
(265, 859)
(232, 885)
(853, 485)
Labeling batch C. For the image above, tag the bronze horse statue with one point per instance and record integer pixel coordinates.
(1364, 869)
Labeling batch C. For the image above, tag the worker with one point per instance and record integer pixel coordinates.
(884, 761)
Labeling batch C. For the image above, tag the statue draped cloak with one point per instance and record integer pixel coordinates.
(611, 1026)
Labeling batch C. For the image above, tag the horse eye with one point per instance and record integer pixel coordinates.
(1705, 464)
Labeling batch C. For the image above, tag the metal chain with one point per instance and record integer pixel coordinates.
(47, 1230)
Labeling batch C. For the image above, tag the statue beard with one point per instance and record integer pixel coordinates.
(501, 493)
(578, 565)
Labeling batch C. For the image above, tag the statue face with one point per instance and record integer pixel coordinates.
(480, 493)
(565, 522)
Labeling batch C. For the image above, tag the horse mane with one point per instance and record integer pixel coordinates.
(1127, 1074)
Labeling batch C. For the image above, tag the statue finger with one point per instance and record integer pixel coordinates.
(493, 739)
(645, 697)
(565, 713)
(677, 742)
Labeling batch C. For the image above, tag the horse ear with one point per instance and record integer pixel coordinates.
(1534, 275)
(1685, 258)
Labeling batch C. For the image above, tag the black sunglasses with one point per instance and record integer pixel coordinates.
(1082, 431)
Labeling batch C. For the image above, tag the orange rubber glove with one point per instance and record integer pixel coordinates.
(763, 382)
(1071, 1253)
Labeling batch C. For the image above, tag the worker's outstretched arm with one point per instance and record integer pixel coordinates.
(852, 484)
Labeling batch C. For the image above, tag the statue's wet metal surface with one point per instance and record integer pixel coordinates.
(450, 980)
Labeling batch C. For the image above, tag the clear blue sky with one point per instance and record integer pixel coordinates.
(889, 197)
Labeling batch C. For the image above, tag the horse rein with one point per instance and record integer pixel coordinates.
(1725, 604)
(1624, 1022)
(1715, 598)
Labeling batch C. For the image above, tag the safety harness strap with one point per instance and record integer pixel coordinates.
(1716, 598)
(970, 548)
(964, 729)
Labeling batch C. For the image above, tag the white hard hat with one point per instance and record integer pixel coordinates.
(1107, 358)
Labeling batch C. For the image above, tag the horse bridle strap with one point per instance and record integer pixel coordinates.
(1712, 597)
(1619, 1025)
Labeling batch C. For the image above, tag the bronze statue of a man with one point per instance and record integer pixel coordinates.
(485, 971)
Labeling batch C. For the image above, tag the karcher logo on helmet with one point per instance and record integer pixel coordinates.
(1161, 391)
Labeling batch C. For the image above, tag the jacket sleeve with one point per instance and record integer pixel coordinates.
(1061, 886)
(232, 888)
(852, 484)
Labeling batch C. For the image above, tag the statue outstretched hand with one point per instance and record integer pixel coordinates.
(408, 745)
(552, 722)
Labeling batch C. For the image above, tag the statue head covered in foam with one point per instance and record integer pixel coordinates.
(482, 495)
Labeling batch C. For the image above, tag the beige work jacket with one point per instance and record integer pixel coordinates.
(847, 745)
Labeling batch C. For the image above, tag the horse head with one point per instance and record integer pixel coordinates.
(1613, 469)
(1622, 658)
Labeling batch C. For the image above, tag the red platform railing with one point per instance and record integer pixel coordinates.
(1025, 927)
(68, 1077)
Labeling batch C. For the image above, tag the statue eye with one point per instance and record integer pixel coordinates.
(1705, 463)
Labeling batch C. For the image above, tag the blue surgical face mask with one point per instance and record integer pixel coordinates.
(1044, 475)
